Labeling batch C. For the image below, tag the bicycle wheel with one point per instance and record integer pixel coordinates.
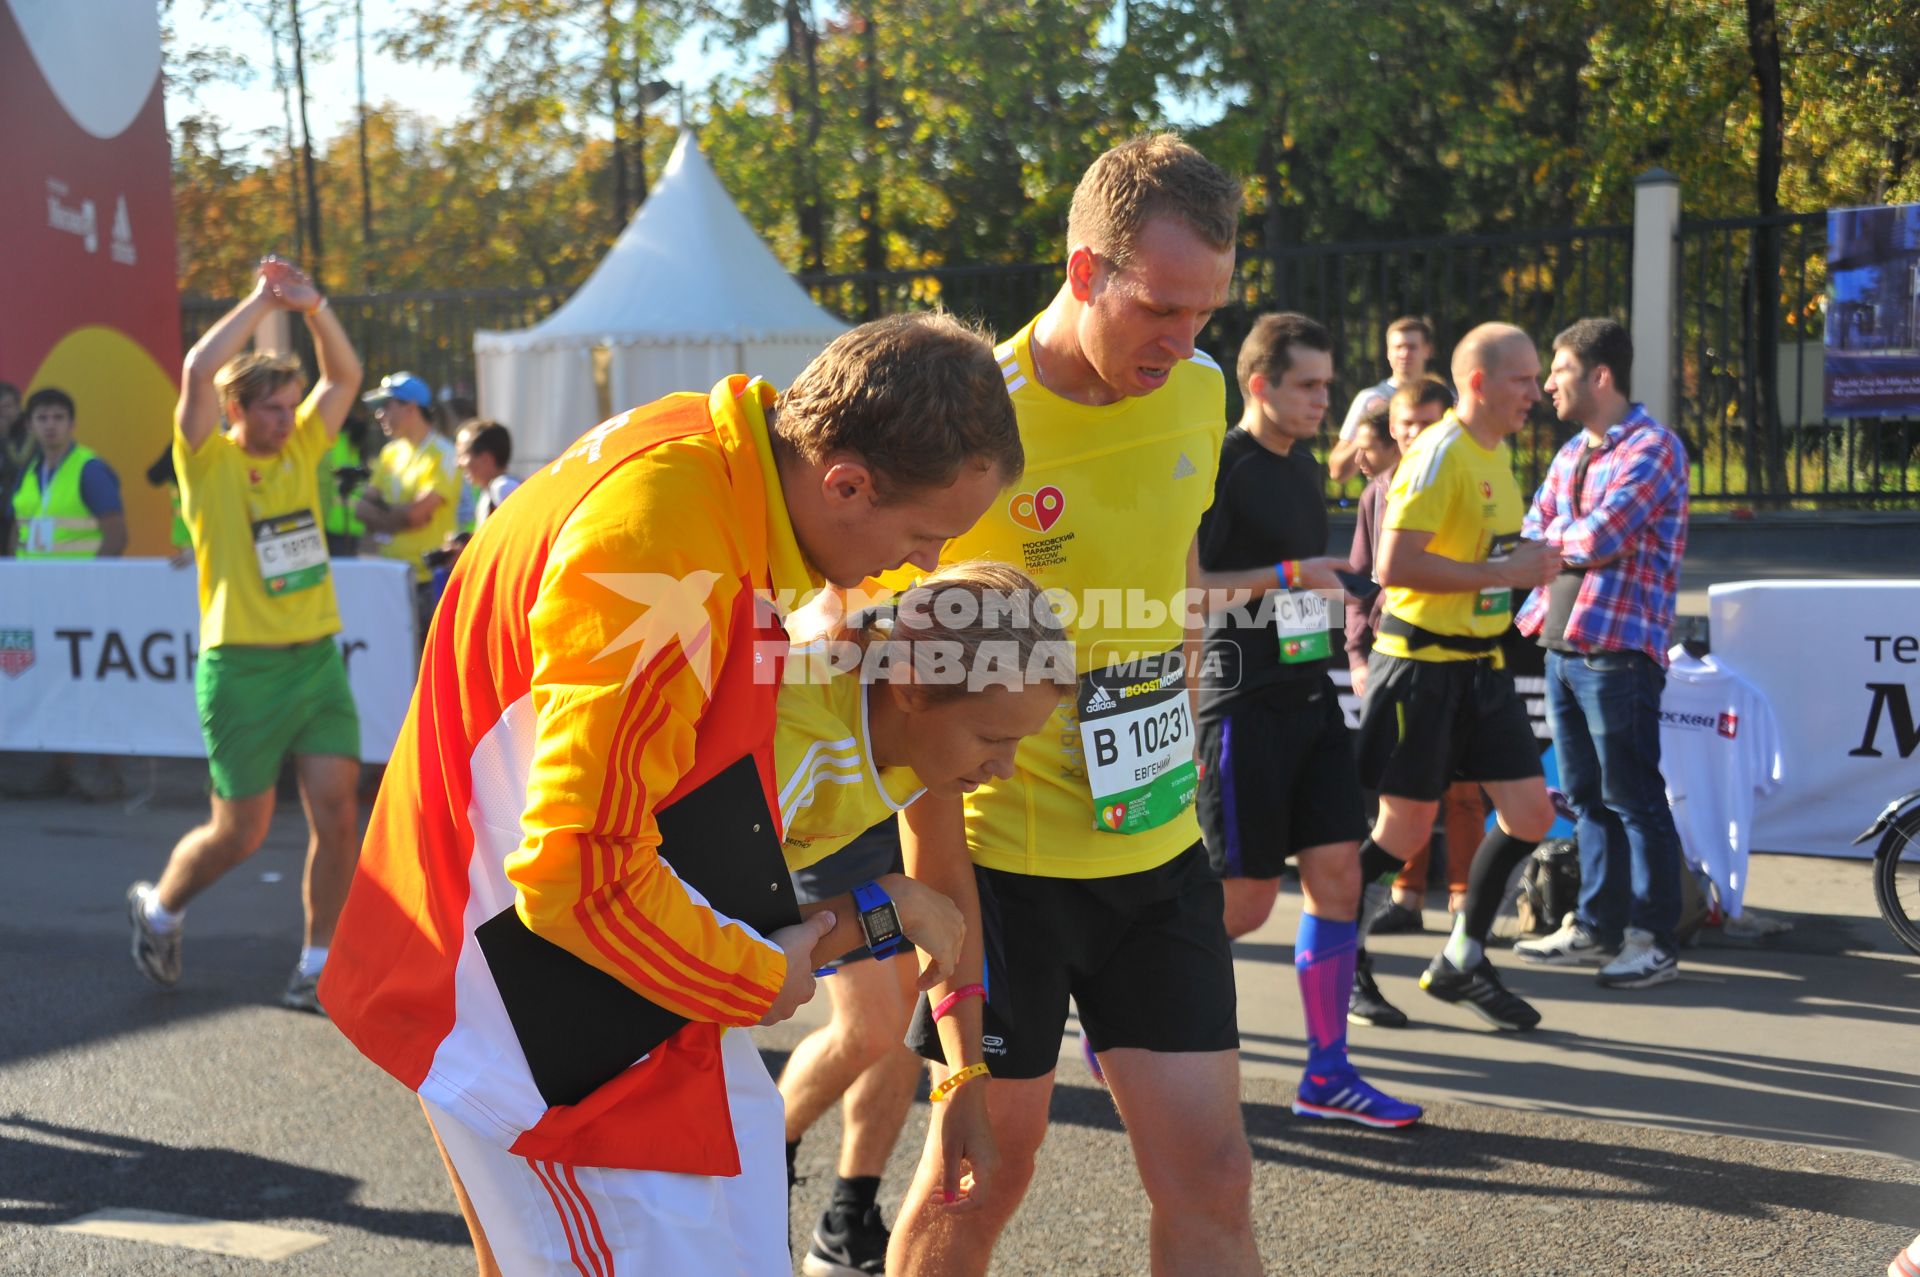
(1896, 880)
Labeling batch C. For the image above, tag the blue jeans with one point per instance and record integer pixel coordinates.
(1604, 712)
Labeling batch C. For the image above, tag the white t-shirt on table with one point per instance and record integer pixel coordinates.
(1719, 751)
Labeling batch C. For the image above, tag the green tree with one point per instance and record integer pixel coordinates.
(585, 60)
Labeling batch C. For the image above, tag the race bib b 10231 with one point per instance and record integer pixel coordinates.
(1137, 734)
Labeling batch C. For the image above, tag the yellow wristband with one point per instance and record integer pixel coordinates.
(956, 1080)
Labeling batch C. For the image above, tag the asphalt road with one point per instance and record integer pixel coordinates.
(210, 1101)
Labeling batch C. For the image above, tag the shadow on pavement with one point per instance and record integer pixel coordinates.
(68, 1171)
(1772, 1097)
(1497, 1162)
(1773, 982)
(89, 991)
(1505, 1164)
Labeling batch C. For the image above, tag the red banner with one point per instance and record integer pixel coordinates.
(86, 217)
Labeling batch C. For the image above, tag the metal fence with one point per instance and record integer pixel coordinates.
(1003, 297)
(1751, 409)
(1750, 375)
(1541, 280)
(429, 334)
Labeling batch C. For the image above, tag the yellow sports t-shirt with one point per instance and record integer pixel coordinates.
(1464, 494)
(257, 539)
(831, 791)
(1103, 519)
(403, 474)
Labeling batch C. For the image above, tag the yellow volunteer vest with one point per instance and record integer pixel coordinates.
(72, 531)
(340, 520)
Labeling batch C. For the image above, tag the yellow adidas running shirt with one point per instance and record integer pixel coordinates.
(1465, 495)
(257, 539)
(1103, 519)
(831, 791)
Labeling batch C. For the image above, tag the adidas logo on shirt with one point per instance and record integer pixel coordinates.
(1101, 700)
(1183, 467)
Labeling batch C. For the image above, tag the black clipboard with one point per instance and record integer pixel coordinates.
(580, 1027)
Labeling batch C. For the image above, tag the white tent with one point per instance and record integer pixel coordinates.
(687, 295)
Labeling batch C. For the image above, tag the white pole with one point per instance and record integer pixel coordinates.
(1656, 291)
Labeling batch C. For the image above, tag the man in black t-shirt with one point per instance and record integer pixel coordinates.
(1278, 779)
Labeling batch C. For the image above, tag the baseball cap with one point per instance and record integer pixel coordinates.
(403, 386)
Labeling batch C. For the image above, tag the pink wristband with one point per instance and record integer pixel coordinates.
(958, 996)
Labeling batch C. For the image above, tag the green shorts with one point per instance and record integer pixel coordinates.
(259, 704)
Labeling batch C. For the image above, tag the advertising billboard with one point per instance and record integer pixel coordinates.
(86, 214)
(1873, 312)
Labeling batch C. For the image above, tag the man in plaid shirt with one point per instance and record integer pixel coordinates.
(1615, 506)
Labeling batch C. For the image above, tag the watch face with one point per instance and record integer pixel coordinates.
(882, 925)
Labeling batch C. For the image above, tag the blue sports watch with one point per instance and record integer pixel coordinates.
(878, 919)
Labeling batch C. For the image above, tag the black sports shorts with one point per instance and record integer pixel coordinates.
(1426, 724)
(1144, 957)
(1277, 777)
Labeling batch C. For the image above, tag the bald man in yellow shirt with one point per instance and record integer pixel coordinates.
(1440, 705)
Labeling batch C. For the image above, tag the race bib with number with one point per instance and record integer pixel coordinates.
(1136, 730)
(1301, 618)
(292, 552)
(1497, 600)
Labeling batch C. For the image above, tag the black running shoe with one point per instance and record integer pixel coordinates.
(847, 1245)
(1365, 1005)
(1397, 918)
(1482, 991)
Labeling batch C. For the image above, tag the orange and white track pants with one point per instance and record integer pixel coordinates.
(549, 1217)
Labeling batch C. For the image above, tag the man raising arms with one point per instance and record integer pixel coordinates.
(1087, 879)
(1439, 704)
(270, 680)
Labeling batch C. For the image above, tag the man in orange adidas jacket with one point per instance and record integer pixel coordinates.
(607, 649)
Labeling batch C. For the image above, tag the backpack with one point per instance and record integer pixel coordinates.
(1550, 890)
(1549, 886)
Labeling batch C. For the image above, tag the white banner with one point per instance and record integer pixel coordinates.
(98, 657)
(1839, 661)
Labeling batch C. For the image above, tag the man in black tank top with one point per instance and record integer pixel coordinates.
(1278, 779)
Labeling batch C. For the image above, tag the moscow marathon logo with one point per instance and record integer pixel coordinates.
(1037, 511)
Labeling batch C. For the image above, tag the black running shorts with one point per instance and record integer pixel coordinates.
(1277, 777)
(1144, 957)
(1426, 724)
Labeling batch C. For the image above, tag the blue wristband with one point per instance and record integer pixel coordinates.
(1280, 570)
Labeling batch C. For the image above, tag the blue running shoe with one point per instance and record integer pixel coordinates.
(1344, 1096)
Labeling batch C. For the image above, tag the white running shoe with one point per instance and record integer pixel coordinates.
(1572, 943)
(155, 953)
(1642, 963)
